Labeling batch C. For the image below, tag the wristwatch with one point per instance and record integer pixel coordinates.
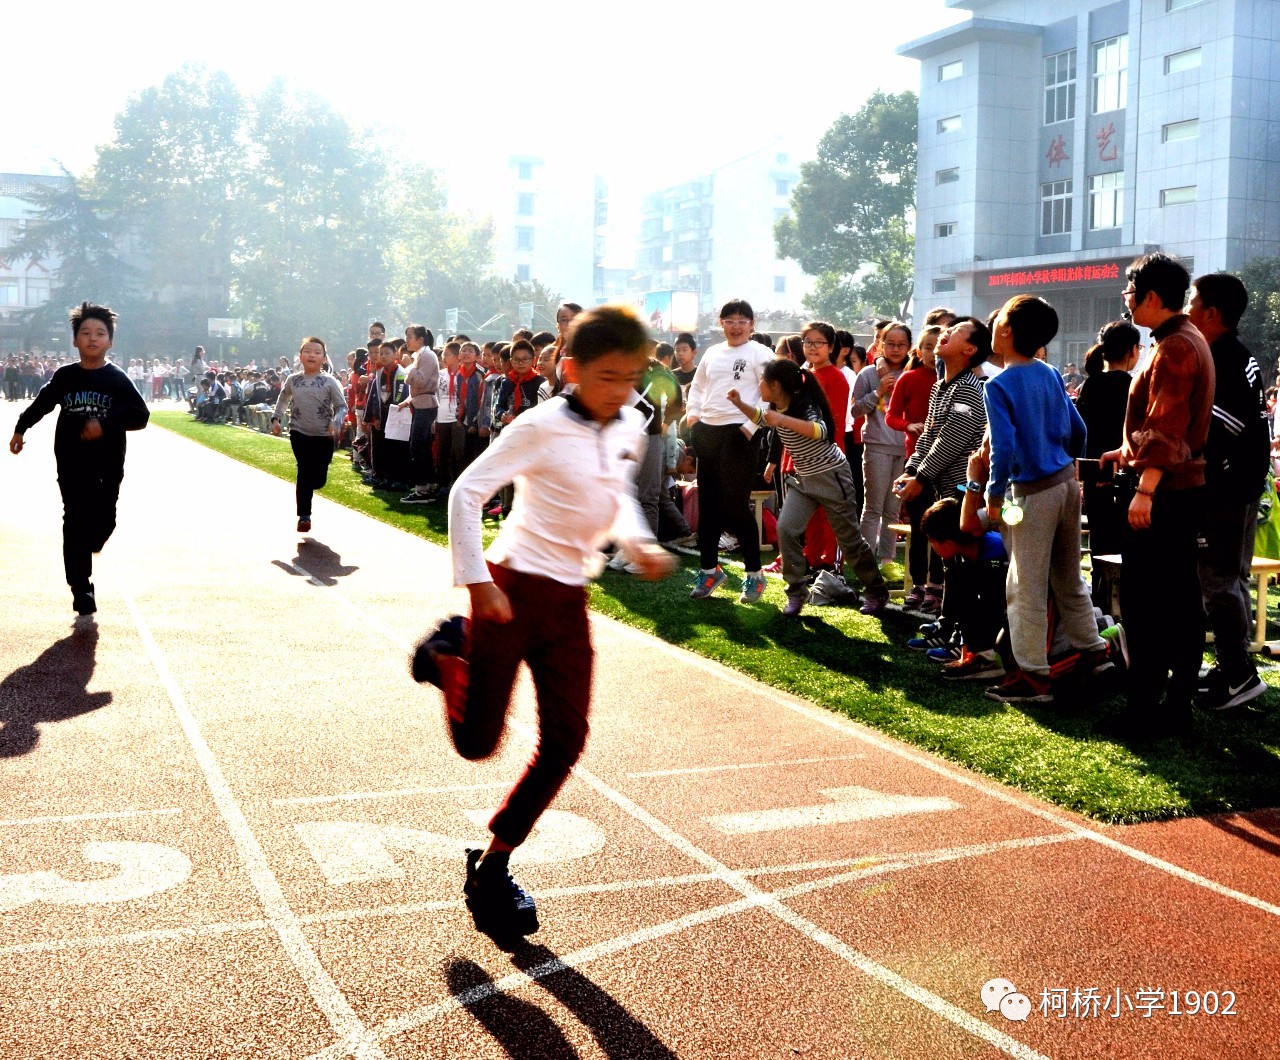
(974, 487)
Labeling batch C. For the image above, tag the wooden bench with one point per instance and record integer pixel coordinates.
(758, 497)
(1261, 569)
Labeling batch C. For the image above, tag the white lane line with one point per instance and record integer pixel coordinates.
(863, 868)
(745, 765)
(752, 894)
(395, 793)
(418, 1017)
(852, 728)
(110, 815)
(284, 921)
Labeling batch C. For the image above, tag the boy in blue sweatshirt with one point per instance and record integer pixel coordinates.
(1036, 434)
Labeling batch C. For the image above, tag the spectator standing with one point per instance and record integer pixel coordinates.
(424, 383)
(1036, 434)
(1235, 474)
(884, 449)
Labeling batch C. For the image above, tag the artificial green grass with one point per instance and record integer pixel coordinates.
(857, 666)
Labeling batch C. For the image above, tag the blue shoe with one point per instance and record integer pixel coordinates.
(928, 641)
(944, 655)
(708, 582)
(752, 588)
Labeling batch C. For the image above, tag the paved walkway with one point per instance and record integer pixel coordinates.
(231, 824)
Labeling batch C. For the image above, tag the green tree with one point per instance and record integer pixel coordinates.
(438, 259)
(849, 212)
(315, 227)
(1260, 325)
(170, 173)
(71, 226)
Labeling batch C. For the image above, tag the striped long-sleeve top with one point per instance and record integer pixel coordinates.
(952, 430)
(811, 456)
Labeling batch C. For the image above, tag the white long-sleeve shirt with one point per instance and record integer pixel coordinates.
(575, 490)
(724, 368)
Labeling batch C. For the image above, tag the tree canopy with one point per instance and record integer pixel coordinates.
(271, 208)
(848, 223)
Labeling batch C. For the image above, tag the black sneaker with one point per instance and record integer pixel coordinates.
(83, 601)
(499, 906)
(1211, 677)
(417, 497)
(1224, 694)
(441, 660)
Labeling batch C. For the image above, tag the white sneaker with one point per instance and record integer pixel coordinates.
(618, 562)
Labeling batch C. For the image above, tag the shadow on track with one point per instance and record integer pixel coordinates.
(318, 560)
(524, 1030)
(52, 688)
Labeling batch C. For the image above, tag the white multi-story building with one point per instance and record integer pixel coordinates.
(24, 284)
(714, 235)
(1060, 139)
(547, 218)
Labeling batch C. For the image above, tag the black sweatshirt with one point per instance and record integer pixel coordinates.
(104, 394)
(1238, 449)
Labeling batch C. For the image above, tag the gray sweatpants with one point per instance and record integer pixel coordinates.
(655, 502)
(1044, 551)
(880, 505)
(833, 491)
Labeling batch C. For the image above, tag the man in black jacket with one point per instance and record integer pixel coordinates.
(1236, 456)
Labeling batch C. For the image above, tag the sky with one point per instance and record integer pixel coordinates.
(644, 95)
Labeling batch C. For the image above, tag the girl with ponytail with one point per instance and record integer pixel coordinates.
(803, 423)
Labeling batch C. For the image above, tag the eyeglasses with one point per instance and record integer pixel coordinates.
(810, 344)
(734, 322)
(1128, 292)
(895, 345)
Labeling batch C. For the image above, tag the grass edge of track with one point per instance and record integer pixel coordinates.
(856, 666)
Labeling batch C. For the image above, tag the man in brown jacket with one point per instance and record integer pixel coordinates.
(1166, 426)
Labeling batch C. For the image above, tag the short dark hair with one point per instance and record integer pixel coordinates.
(379, 324)
(310, 339)
(935, 315)
(542, 338)
(979, 339)
(452, 347)
(1033, 321)
(1117, 338)
(374, 344)
(523, 346)
(92, 311)
(941, 521)
(664, 352)
(737, 307)
(1164, 275)
(897, 325)
(522, 333)
(764, 338)
(606, 329)
(687, 339)
(1225, 293)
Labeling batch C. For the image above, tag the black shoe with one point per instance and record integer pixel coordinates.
(83, 601)
(1224, 694)
(1211, 677)
(498, 905)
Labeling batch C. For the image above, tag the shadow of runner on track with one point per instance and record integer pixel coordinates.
(524, 1030)
(52, 688)
(318, 560)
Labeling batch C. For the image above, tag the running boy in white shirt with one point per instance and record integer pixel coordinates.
(573, 461)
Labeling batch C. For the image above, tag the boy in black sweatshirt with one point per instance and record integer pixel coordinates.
(97, 405)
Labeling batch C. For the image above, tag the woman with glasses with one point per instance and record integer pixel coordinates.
(884, 449)
(723, 440)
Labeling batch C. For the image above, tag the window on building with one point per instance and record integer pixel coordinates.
(950, 71)
(524, 204)
(945, 229)
(524, 171)
(524, 238)
(9, 231)
(948, 125)
(1055, 207)
(1179, 61)
(8, 292)
(1106, 200)
(779, 285)
(1178, 5)
(947, 176)
(1180, 130)
(1110, 73)
(782, 187)
(523, 274)
(944, 285)
(1060, 87)
(1178, 196)
(38, 291)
